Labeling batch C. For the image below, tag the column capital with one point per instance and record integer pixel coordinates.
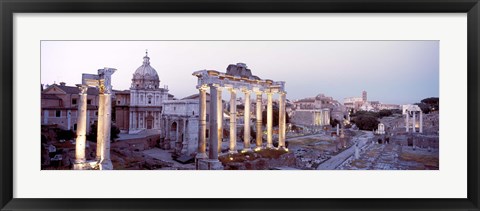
(245, 90)
(231, 89)
(83, 88)
(203, 87)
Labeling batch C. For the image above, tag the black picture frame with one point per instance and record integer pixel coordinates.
(9, 7)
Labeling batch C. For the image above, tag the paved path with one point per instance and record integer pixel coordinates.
(338, 159)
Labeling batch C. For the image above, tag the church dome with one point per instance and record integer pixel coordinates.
(145, 77)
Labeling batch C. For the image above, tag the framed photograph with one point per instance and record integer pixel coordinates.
(239, 105)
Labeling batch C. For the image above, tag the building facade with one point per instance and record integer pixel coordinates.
(59, 105)
(146, 99)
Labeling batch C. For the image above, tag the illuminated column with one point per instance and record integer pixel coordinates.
(202, 124)
(413, 122)
(214, 130)
(81, 128)
(105, 118)
(406, 120)
(220, 119)
(246, 120)
(233, 120)
(269, 120)
(421, 122)
(259, 121)
(282, 120)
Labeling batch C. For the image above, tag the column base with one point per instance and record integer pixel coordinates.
(283, 148)
(85, 165)
(105, 165)
(209, 164)
(258, 149)
(246, 150)
(81, 165)
(232, 151)
(269, 146)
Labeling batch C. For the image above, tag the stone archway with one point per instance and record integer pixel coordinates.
(173, 131)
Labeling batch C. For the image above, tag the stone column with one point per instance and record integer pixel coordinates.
(45, 116)
(130, 120)
(282, 120)
(81, 128)
(202, 124)
(214, 130)
(259, 138)
(220, 119)
(413, 122)
(338, 129)
(69, 119)
(233, 120)
(407, 122)
(246, 124)
(104, 118)
(269, 120)
(421, 122)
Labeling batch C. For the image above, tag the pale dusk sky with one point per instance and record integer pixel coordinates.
(398, 72)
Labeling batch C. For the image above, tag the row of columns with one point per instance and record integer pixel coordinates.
(102, 161)
(216, 121)
(413, 121)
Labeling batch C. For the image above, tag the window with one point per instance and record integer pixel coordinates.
(58, 113)
(74, 101)
(174, 108)
(193, 113)
(207, 118)
(89, 102)
(118, 102)
(96, 113)
(149, 100)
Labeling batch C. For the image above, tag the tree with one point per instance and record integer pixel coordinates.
(366, 122)
(65, 134)
(92, 136)
(433, 102)
(424, 107)
(334, 122)
(384, 113)
(275, 112)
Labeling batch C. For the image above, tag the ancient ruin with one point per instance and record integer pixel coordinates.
(102, 81)
(410, 111)
(237, 78)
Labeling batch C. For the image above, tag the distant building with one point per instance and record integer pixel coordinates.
(59, 105)
(180, 120)
(146, 99)
(316, 111)
(362, 104)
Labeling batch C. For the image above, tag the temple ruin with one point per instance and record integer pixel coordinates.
(102, 81)
(237, 78)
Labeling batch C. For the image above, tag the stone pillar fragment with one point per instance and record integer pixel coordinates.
(421, 122)
(233, 120)
(414, 129)
(104, 118)
(259, 138)
(282, 120)
(81, 129)
(214, 130)
(246, 124)
(269, 120)
(202, 125)
(407, 122)
(220, 119)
